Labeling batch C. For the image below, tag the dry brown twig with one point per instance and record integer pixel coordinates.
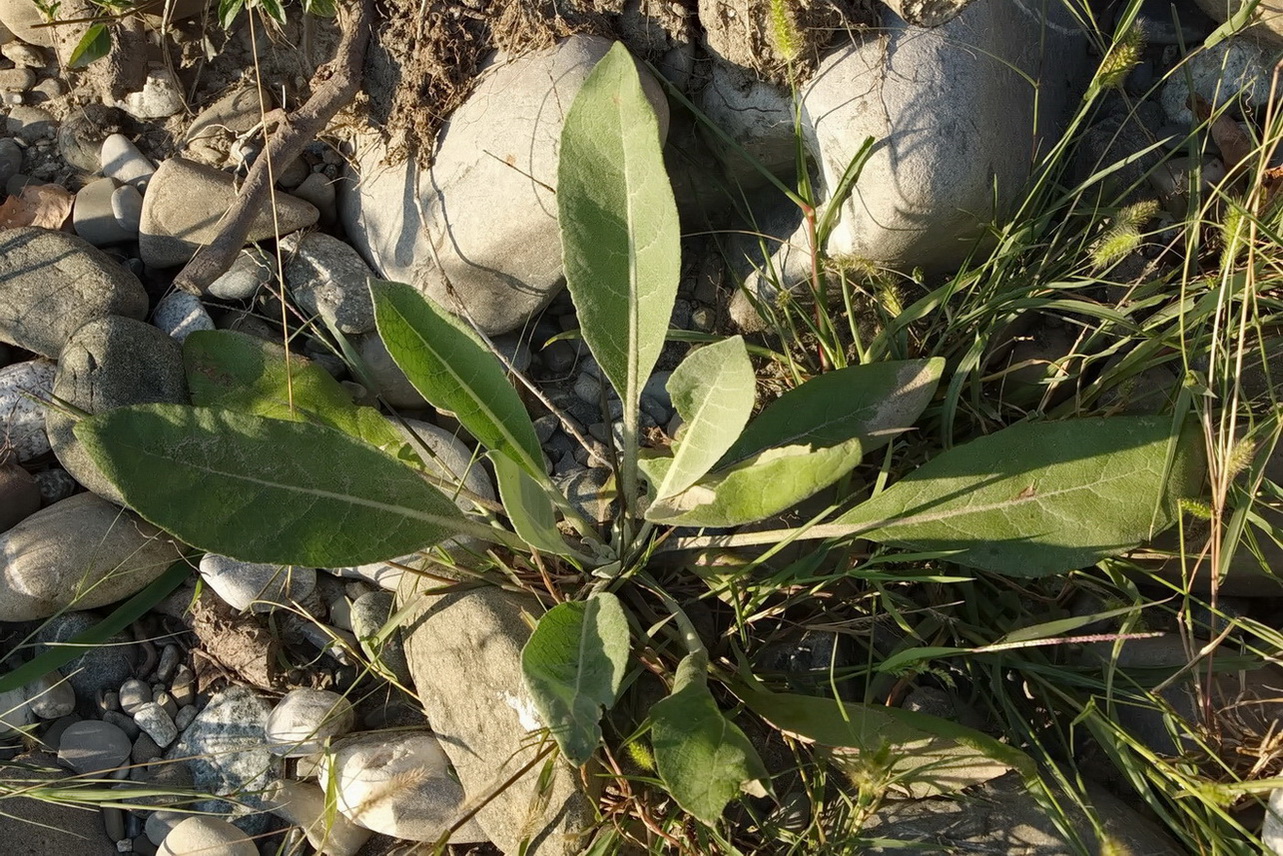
(334, 86)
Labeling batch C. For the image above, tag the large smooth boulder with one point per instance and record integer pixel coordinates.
(186, 200)
(956, 113)
(82, 553)
(464, 652)
(52, 283)
(488, 204)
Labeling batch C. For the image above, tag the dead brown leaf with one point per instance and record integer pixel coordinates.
(45, 205)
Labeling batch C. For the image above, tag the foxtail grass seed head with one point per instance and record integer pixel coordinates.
(1139, 214)
(1111, 846)
(1121, 59)
(1116, 243)
(1196, 509)
(1240, 457)
(641, 755)
(784, 31)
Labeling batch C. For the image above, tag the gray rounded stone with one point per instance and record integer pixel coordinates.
(22, 420)
(180, 314)
(304, 805)
(329, 279)
(304, 719)
(133, 695)
(51, 696)
(93, 217)
(398, 784)
(80, 553)
(225, 750)
(52, 284)
(93, 746)
(185, 201)
(251, 271)
(1233, 68)
(369, 613)
(100, 668)
(390, 383)
(122, 161)
(156, 723)
(111, 362)
(127, 208)
(254, 586)
(504, 260)
(206, 836)
(19, 495)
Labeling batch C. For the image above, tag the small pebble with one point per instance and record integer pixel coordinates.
(122, 161)
(94, 747)
(56, 484)
(159, 824)
(31, 124)
(123, 722)
(24, 55)
(51, 696)
(110, 700)
(17, 79)
(170, 658)
(180, 314)
(153, 720)
(166, 701)
(145, 750)
(133, 695)
(161, 96)
(47, 90)
(248, 273)
(10, 159)
(127, 208)
(183, 688)
(186, 716)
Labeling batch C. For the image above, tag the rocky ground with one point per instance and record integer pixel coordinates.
(231, 686)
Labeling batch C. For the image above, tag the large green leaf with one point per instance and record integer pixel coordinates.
(871, 402)
(619, 228)
(704, 759)
(713, 390)
(1039, 498)
(265, 490)
(452, 368)
(529, 507)
(926, 755)
(765, 484)
(240, 372)
(574, 665)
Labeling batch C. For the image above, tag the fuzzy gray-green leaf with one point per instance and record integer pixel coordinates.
(1039, 498)
(266, 490)
(573, 666)
(713, 390)
(765, 484)
(928, 756)
(619, 228)
(452, 368)
(871, 402)
(704, 759)
(528, 506)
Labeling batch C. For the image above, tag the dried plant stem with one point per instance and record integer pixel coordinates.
(334, 86)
